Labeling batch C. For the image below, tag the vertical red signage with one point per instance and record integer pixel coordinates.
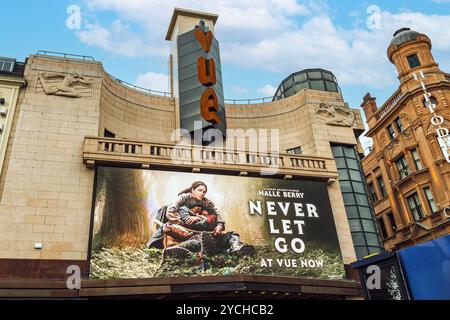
(206, 70)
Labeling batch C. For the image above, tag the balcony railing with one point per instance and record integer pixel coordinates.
(98, 150)
(65, 55)
(248, 101)
(389, 104)
(141, 89)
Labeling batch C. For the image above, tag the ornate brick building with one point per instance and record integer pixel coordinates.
(407, 171)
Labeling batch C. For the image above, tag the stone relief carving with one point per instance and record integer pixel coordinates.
(65, 86)
(406, 120)
(383, 139)
(407, 133)
(396, 149)
(338, 116)
(393, 143)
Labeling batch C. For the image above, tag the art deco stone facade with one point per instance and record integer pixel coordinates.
(47, 189)
(57, 137)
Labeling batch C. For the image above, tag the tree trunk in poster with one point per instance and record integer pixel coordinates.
(125, 217)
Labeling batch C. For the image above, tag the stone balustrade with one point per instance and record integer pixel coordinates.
(99, 150)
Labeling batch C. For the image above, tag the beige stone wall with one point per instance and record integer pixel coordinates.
(135, 115)
(47, 191)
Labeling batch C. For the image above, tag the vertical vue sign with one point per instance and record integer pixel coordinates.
(200, 80)
(206, 72)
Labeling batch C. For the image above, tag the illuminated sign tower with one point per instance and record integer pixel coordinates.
(196, 77)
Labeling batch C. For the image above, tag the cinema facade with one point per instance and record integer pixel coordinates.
(93, 167)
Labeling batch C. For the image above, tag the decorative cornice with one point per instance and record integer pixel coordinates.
(15, 81)
(405, 97)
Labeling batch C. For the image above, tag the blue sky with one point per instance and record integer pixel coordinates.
(262, 41)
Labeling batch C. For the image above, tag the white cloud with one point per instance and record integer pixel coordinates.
(280, 36)
(118, 38)
(268, 90)
(240, 20)
(357, 56)
(239, 89)
(153, 81)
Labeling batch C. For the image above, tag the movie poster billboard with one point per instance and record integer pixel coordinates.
(149, 223)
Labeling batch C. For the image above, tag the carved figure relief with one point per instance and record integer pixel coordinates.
(383, 139)
(65, 86)
(406, 120)
(338, 116)
(396, 149)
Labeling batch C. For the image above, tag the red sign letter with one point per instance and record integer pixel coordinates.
(209, 105)
(206, 69)
(205, 39)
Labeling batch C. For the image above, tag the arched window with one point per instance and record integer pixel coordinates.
(432, 101)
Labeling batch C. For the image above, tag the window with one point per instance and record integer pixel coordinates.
(314, 75)
(358, 187)
(416, 158)
(382, 186)
(278, 94)
(7, 64)
(317, 85)
(391, 132)
(289, 92)
(390, 216)
(373, 239)
(382, 228)
(415, 207)
(430, 200)
(443, 142)
(413, 61)
(361, 251)
(432, 100)
(296, 150)
(331, 86)
(398, 123)
(355, 193)
(108, 134)
(402, 167)
(300, 77)
(304, 85)
(327, 76)
(373, 194)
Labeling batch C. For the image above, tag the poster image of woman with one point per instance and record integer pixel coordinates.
(193, 224)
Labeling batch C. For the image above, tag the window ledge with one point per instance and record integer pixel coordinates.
(392, 237)
(410, 176)
(379, 201)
